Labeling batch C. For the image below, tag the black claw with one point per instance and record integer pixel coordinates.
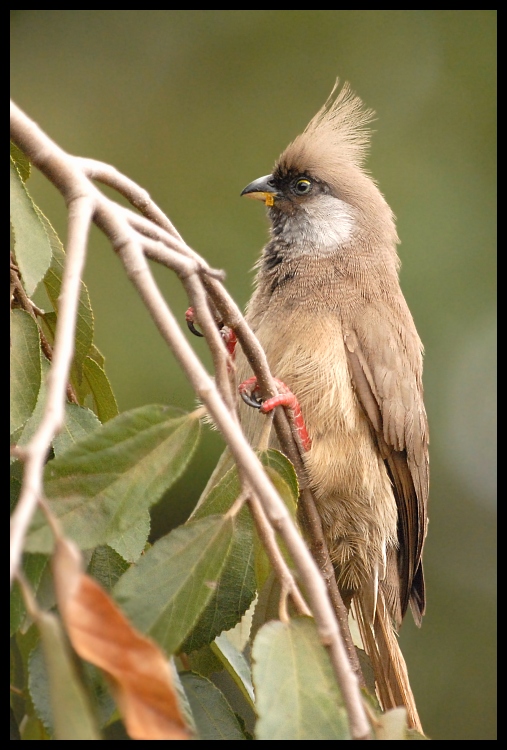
(194, 330)
(251, 401)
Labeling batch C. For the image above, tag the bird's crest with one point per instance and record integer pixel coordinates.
(337, 135)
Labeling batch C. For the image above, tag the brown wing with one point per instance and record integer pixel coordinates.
(385, 360)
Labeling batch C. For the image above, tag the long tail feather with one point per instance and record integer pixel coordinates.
(381, 645)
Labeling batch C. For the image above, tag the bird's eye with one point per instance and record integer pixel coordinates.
(302, 186)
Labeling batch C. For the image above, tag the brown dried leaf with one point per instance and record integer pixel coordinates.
(137, 670)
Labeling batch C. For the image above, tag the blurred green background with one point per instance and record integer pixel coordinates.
(195, 104)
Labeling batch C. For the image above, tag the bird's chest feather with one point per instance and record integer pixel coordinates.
(309, 356)
(307, 352)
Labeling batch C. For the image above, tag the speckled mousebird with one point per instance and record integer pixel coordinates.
(330, 314)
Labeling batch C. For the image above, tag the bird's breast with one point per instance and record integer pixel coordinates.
(345, 470)
(307, 353)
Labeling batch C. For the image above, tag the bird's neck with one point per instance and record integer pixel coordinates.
(295, 272)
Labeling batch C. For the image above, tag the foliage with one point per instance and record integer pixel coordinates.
(145, 641)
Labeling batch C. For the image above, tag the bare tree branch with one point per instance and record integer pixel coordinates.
(275, 556)
(128, 237)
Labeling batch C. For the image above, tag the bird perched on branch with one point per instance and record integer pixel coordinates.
(330, 315)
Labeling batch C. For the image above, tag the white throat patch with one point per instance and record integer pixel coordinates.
(325, 224)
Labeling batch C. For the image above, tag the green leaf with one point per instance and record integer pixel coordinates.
(281, 472)
(100, 388)
(23, 435)
(413, 734)
(92, 677)
(21, 646)
(167, 590)
(48, 324)
(94, 381)
(16, 477)
(21, 162)
(283, 476)
(214, 718)
(102, 486)
(392, 725)
(97, 356)
(106, 566)
(17, 608)
(236, 665)
(204, 662)
(33, 567)
(131, 542)
(53, 282)
(68, 710)
(79, 422)
(297, 695)
(39, 687)
(236, 585)
(99, 692)
(267, 606)
(33, 729)
(30, 427)
(25, 365)
(183, 703)
(31, 243)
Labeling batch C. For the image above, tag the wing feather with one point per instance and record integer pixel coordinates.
(386, 363)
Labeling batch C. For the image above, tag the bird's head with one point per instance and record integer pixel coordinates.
(319, 189)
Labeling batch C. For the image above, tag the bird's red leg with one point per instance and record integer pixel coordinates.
(286, 398)
(230, 339)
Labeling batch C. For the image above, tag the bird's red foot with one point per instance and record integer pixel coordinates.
(229, 338)
(286, 398)
(227, 333)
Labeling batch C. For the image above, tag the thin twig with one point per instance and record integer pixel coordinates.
(199, 300)
(80, 213)
(276, 558)
(137, 196)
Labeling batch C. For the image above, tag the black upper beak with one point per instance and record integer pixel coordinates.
(262, 189)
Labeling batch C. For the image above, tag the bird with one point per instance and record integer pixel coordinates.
(329, 312)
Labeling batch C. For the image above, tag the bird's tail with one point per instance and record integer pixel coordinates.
(381, 645)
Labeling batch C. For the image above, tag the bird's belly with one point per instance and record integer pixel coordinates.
(345, 470)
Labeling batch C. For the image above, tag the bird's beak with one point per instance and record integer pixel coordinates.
(262, 189)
